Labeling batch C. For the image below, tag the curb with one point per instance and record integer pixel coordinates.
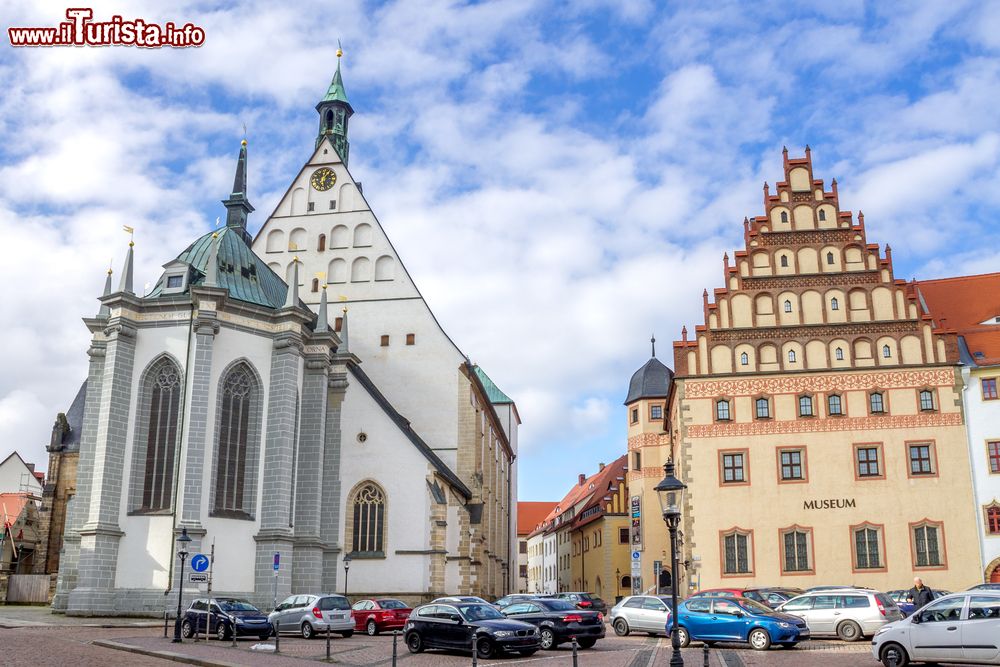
(165, 655)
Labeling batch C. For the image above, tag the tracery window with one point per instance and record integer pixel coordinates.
(839, 354)
(368, 517)
(788, 306)
(744, 359)
(834, 304)
(161, 406)
(236, 442)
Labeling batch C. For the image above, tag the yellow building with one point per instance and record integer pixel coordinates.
(817, 413)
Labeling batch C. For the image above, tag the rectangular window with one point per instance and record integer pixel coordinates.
(623, 536)
(926, 400)
(868, 464)
(763, 408)
(805, 406)
(920, 455)
(333, 204)
(722, 410)
(736, 553)
(993, 451)
(834, 405)
(635, 415)
(636, 461)
(876, 403)
(656, 412)
(523, 571)
(989, 389)
(175, 282)
(522, 547)
(385, 341)
(795, 551)
(993, 520)
(734, 468)
(791, 464)
(411, 338)
(867, 548)
(926, 546)
(311, 206)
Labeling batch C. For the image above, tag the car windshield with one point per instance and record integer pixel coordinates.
(392, 604)
(479, 612)
(557, 605)
(756, 607)
(236, 605)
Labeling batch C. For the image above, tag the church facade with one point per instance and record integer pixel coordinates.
(231, 404)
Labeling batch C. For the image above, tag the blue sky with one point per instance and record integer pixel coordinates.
(561, 179)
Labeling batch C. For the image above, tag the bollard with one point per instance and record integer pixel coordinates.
(395, 636)
(164, 622)
(328, 642)
(475, 653)
(277, 636)
(704, 653)
(573, 642)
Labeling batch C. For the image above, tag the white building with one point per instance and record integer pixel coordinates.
(16, 476)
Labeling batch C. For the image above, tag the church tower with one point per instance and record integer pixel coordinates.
(334, 113)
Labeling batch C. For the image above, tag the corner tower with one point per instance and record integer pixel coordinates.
(334, 113)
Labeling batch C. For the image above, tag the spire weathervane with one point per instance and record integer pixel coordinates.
(131, 234)
(652, 341)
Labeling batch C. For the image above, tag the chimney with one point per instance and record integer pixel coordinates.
(583, 478)
(600, 467)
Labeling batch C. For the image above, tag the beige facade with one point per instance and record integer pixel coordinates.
(599, 556)
(817, 414)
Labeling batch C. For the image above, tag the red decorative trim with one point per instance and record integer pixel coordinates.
(823, 425)
(798, 384)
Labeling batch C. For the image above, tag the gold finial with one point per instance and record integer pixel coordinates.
(110, 264)
(295, 259)
(215, 235)
(131, 235)
(340, 51)
(243, 143)
(345, 310)
(324, 286)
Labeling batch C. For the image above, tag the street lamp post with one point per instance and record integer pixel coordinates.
(670, 492)
(182, 553)
(347, 568)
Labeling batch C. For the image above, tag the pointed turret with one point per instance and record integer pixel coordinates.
(104, 311)
(125, 285)
(334, 112)
(322, 323)
(344, 349)
(238, 206)
(212, 266)
(292, 297)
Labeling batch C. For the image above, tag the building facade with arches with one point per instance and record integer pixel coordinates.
(816, 413)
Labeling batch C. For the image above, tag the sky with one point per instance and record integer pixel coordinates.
(561, 179)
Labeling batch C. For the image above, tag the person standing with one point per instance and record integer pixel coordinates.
(920, 595)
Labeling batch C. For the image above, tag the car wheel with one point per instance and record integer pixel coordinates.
(485, 648)
(187, 630)
(759, 639)
(894, 654)
(222, 632)
(371, 628)
(849, 631)
(587, 642)
(621, 627)
(547, 639)
(347, 633)
(307, 630)
(414, 643)
(683, 636)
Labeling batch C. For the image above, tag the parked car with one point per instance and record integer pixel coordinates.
(960, 627)
(849, 613)
(773, 597)
(452, 599)
(985, 587)
(309, 614)
(720, 592)
(724, 619)
(834, 588)
(585, 601)
(558, 621)
(226, 615)
(453, 626)
(375, 615)
(641, 613)
(508, 600)
(899, 597)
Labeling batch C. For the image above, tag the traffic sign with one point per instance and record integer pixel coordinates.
(636, 555)
(198, 578)
(277, 561)
(199, 562)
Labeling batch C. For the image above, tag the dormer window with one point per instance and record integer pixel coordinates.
(175, 279)
(175, 282)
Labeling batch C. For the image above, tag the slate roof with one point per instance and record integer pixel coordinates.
(247, 277)
(653, 380)
(493, 392)
(404, 425)
(74, 416)
(962, 304)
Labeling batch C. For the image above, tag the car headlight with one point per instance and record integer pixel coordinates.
(782, 624)
(503, 633)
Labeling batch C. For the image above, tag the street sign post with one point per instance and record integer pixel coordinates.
(636, 571)
(199, 563)
(198, 578)
(277, 564)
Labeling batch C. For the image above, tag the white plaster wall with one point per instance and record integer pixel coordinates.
(550, 578)
(15, 477)
(536, 563)
(983, 423)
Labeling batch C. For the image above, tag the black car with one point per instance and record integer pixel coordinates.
(772, 596)
(227, 615)
(585, 601)
(558, 621)
(508, 600)
(453, 626)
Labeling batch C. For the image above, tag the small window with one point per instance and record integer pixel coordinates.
(623, 536)
(834, 406)
(656, 412)
(788, 306)
(927, 400)
(411, 338)
(876, 403)
(993, 452)
(311, 206)
(784, 216)
(791, 356)
(867, 460)
(744, 359)
(927, 546)
(722, 410)
(993, 520)
(784, 260)
(333, 204)
(834, 304)
(886, 352)
(733, 468)
(805, 406)
(839, 354)
(321, 245)
(635, 415)
(791, 465)
(763, 408)
(385, 341)
(989, 389)
(636, 461)
(175, 282)
(921, 462)
(822, 216)
(338, 323)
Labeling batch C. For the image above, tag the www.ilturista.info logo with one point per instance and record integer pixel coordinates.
(81, 30)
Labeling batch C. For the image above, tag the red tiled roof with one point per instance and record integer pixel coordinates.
(530, 514)
(605, 483)
(961, 304)
(580, 492)
(11, 506)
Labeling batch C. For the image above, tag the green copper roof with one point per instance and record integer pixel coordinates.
(240, 271)
(336, 92)
(493, 392)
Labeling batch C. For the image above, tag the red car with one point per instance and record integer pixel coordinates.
(375, 615)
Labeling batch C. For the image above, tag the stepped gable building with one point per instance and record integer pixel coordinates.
(969, 306)
(818, 412)
(221, 405)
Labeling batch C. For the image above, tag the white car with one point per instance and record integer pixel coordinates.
(961, 627)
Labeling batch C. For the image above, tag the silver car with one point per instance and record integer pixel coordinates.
(847, 613)
(641, 613)
(311, 614)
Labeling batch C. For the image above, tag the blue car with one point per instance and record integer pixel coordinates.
(713, 619)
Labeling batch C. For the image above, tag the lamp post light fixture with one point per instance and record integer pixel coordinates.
(182, 553)
(347, 568)
(670, 492)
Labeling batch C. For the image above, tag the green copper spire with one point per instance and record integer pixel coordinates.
(334, 113)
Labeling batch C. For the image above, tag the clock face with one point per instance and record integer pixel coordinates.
(323, 179)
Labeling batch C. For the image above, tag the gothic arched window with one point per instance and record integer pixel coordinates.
(368, 519)
(834, 304)
(791, 356)
(839, 354)
(822, 214)
(829, 255)
(784, 260)
(784, 216)
(788, 306)
(886, 351)
(329, 119)
(315, 285)
(237, 442)
(322, 243)
(156, 437)
(744, 359)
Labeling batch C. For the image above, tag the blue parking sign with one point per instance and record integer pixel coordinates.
(199, 562)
